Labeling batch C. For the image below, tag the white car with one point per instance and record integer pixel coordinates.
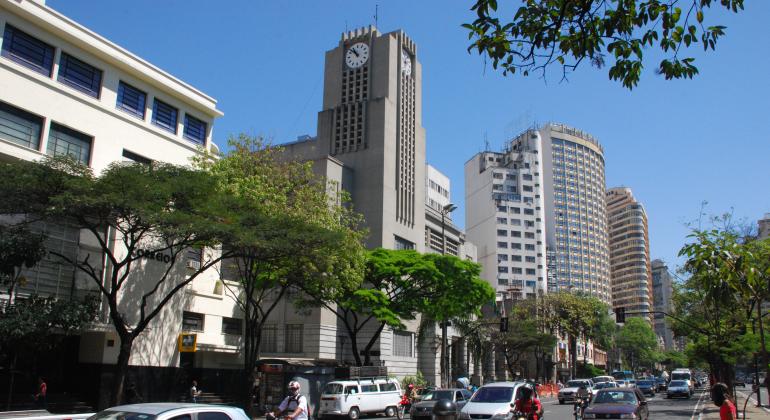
(168, 411)
(570, 389)
(493, 401)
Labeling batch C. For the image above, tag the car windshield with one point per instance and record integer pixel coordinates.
(645, 383)
(423, 391)
(605, 385)
(680, 375)
(438, 395)
(333, 389)
(678, 383)
(615, 397)
(576, 384)
(493, 394)
(121, 415)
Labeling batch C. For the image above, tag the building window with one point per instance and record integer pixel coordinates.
(529, 259)
(192, 321)
(131, 100)
(502, 232)
(164, 116)
(80, 75)
(27, 50)
(233, 326)
(269, 343)
(63, 141)
(530, 271)
(502, 244)
(402, 343)
(529, 247)
(194, 129)
(402, 243)
(293, 338)
(130, 156)
(20, 126)
(502, 269)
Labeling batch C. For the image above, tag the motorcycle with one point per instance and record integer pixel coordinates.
(520, 415)
(579, 408)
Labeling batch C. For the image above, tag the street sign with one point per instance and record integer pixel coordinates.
(187, 343)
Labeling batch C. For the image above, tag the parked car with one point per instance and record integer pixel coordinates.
(646, 387)
(353, 397)
(661, 385)
(617, 403)
(493, 401)
(570, 389)
(424, 408)
(678, 388)
(167, 411)
(422, 392)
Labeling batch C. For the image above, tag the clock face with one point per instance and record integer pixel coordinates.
(357, 55)
(406, 63)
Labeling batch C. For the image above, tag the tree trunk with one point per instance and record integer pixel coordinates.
(572, 356)
(121, 368)
(11, 378)
(763, 348)
(368, 348)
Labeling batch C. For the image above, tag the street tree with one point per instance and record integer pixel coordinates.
(395, 285)
(144, 219)
(458, 292)
(637, 343)
(537, 35)
(284, 229)
(19, 249)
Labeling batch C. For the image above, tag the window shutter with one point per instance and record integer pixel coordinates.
(164, 116)
(27, 50)
(19, 126)
(66, 141)
(80, 75)
(131, 99)
(194, 129)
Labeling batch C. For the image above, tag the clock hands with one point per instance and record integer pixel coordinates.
(355, 52)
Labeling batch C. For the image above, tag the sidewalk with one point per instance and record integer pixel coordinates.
(711, 412)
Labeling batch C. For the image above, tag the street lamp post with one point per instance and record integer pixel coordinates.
(444, 356)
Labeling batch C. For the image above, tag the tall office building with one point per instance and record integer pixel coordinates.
(505, 217)
(630, 273)
(662, 290)
(371, 142)
(574, 210)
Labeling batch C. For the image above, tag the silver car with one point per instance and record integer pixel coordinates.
(168, 411)
(424, 408)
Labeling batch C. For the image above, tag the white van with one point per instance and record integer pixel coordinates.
(353, 397)
(684, 375)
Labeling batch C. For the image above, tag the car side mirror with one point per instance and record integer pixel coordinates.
(643, 402)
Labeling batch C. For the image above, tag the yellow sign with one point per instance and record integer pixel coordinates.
(187, 343)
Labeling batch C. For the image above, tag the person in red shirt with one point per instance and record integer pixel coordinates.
(722, 399)
(42, 393)
(528, 404)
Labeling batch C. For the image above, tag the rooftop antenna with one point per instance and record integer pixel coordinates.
(486, 143)
(376, 13)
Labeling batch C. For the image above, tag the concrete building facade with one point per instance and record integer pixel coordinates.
(572, 179)
(764, 226)
(504, 217)
(630, 271)
(662, 291)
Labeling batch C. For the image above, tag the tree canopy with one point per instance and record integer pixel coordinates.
(616, 33)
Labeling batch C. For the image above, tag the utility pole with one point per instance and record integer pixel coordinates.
(444, 354)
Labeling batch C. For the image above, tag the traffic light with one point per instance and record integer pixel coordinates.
(620, 315)
(504, 324)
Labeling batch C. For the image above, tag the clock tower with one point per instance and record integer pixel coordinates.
(372, 122)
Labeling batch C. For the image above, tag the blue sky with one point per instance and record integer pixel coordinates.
(676, 144)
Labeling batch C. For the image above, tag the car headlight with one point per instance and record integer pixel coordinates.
(628, 416)
(502, 415)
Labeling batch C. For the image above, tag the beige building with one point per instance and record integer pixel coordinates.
(764, 227)
(631, 273)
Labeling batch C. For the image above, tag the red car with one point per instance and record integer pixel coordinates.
(614, 402)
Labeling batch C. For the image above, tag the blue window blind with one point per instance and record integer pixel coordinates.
(27, 50)
(66, 141)
(80, 75)
(194, 129)
(131, 100)
(164, 116)
(20, 127)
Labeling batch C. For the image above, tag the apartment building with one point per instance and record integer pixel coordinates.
(630, 272)
(505, 217)
(662, 291)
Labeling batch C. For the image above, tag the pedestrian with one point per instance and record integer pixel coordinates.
(194, 391)
(131, 394)
(42, 393)
(722, 399)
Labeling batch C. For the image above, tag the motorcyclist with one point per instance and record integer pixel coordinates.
(582, 398)
(293, 407)
(528, 404)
